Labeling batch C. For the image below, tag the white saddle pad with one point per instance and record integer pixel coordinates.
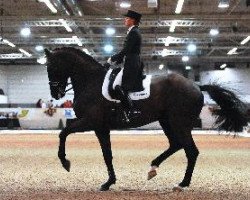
(118, 80)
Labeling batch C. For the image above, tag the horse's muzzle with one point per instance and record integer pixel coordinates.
(57, 90)
(58, 94)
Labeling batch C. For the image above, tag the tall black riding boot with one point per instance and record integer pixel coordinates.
(124, 97)
(127, 103)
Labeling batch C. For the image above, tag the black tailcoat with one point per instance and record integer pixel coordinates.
(132, 73)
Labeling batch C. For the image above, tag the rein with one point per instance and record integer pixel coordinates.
(69, 88)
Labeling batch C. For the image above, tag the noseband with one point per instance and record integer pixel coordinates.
(57, 84)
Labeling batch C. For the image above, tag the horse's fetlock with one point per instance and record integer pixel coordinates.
(155, 163)
(184, 184)
(112, 180)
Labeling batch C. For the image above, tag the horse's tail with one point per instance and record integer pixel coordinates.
(232, 114)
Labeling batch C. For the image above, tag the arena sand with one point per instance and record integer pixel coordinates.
(30, 169)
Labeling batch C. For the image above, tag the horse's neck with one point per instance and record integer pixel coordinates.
(88, 82)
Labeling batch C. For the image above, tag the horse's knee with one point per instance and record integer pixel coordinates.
(60, 135)
(64, 133)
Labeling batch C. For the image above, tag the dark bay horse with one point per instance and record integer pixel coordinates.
(175, 102)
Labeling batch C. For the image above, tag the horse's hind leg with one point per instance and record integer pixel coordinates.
(191, 153)
(179, 137)
(185, 139)
(173, 147)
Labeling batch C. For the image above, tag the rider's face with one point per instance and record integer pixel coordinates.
(129, 21)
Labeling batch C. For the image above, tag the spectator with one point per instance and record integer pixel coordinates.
(70, 104)
(50, 104)
(43, 105)
(39, 103)
(67, 104)
(1, 91)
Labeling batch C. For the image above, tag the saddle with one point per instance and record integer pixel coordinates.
(114, 77)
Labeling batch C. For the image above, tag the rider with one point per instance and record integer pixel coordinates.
(132, 72)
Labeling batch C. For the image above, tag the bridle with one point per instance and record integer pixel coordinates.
(59, 86)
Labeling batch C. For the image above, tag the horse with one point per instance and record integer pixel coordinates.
(174, 101)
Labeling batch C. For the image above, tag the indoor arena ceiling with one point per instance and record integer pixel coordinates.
(166, 35)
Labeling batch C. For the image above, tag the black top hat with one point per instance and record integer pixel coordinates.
(134, 15)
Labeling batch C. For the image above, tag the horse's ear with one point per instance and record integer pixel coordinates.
(47, 53)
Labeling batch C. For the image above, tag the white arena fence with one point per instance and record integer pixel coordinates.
(127, 132)
(45, 120)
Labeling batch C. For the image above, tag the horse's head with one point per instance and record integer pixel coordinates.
(57, 74)
(70, 62)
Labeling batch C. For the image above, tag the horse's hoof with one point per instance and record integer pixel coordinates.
(178, 188)
(152, 174)
(66, 165)
(104, 188)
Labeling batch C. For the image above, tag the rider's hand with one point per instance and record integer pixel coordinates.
(117, 59)
(109, 61)
(106, 66)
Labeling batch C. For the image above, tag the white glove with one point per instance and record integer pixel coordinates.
(109, 61)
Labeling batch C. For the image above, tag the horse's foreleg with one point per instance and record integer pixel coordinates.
(61, 152)
(104, 140)
(75, 126)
